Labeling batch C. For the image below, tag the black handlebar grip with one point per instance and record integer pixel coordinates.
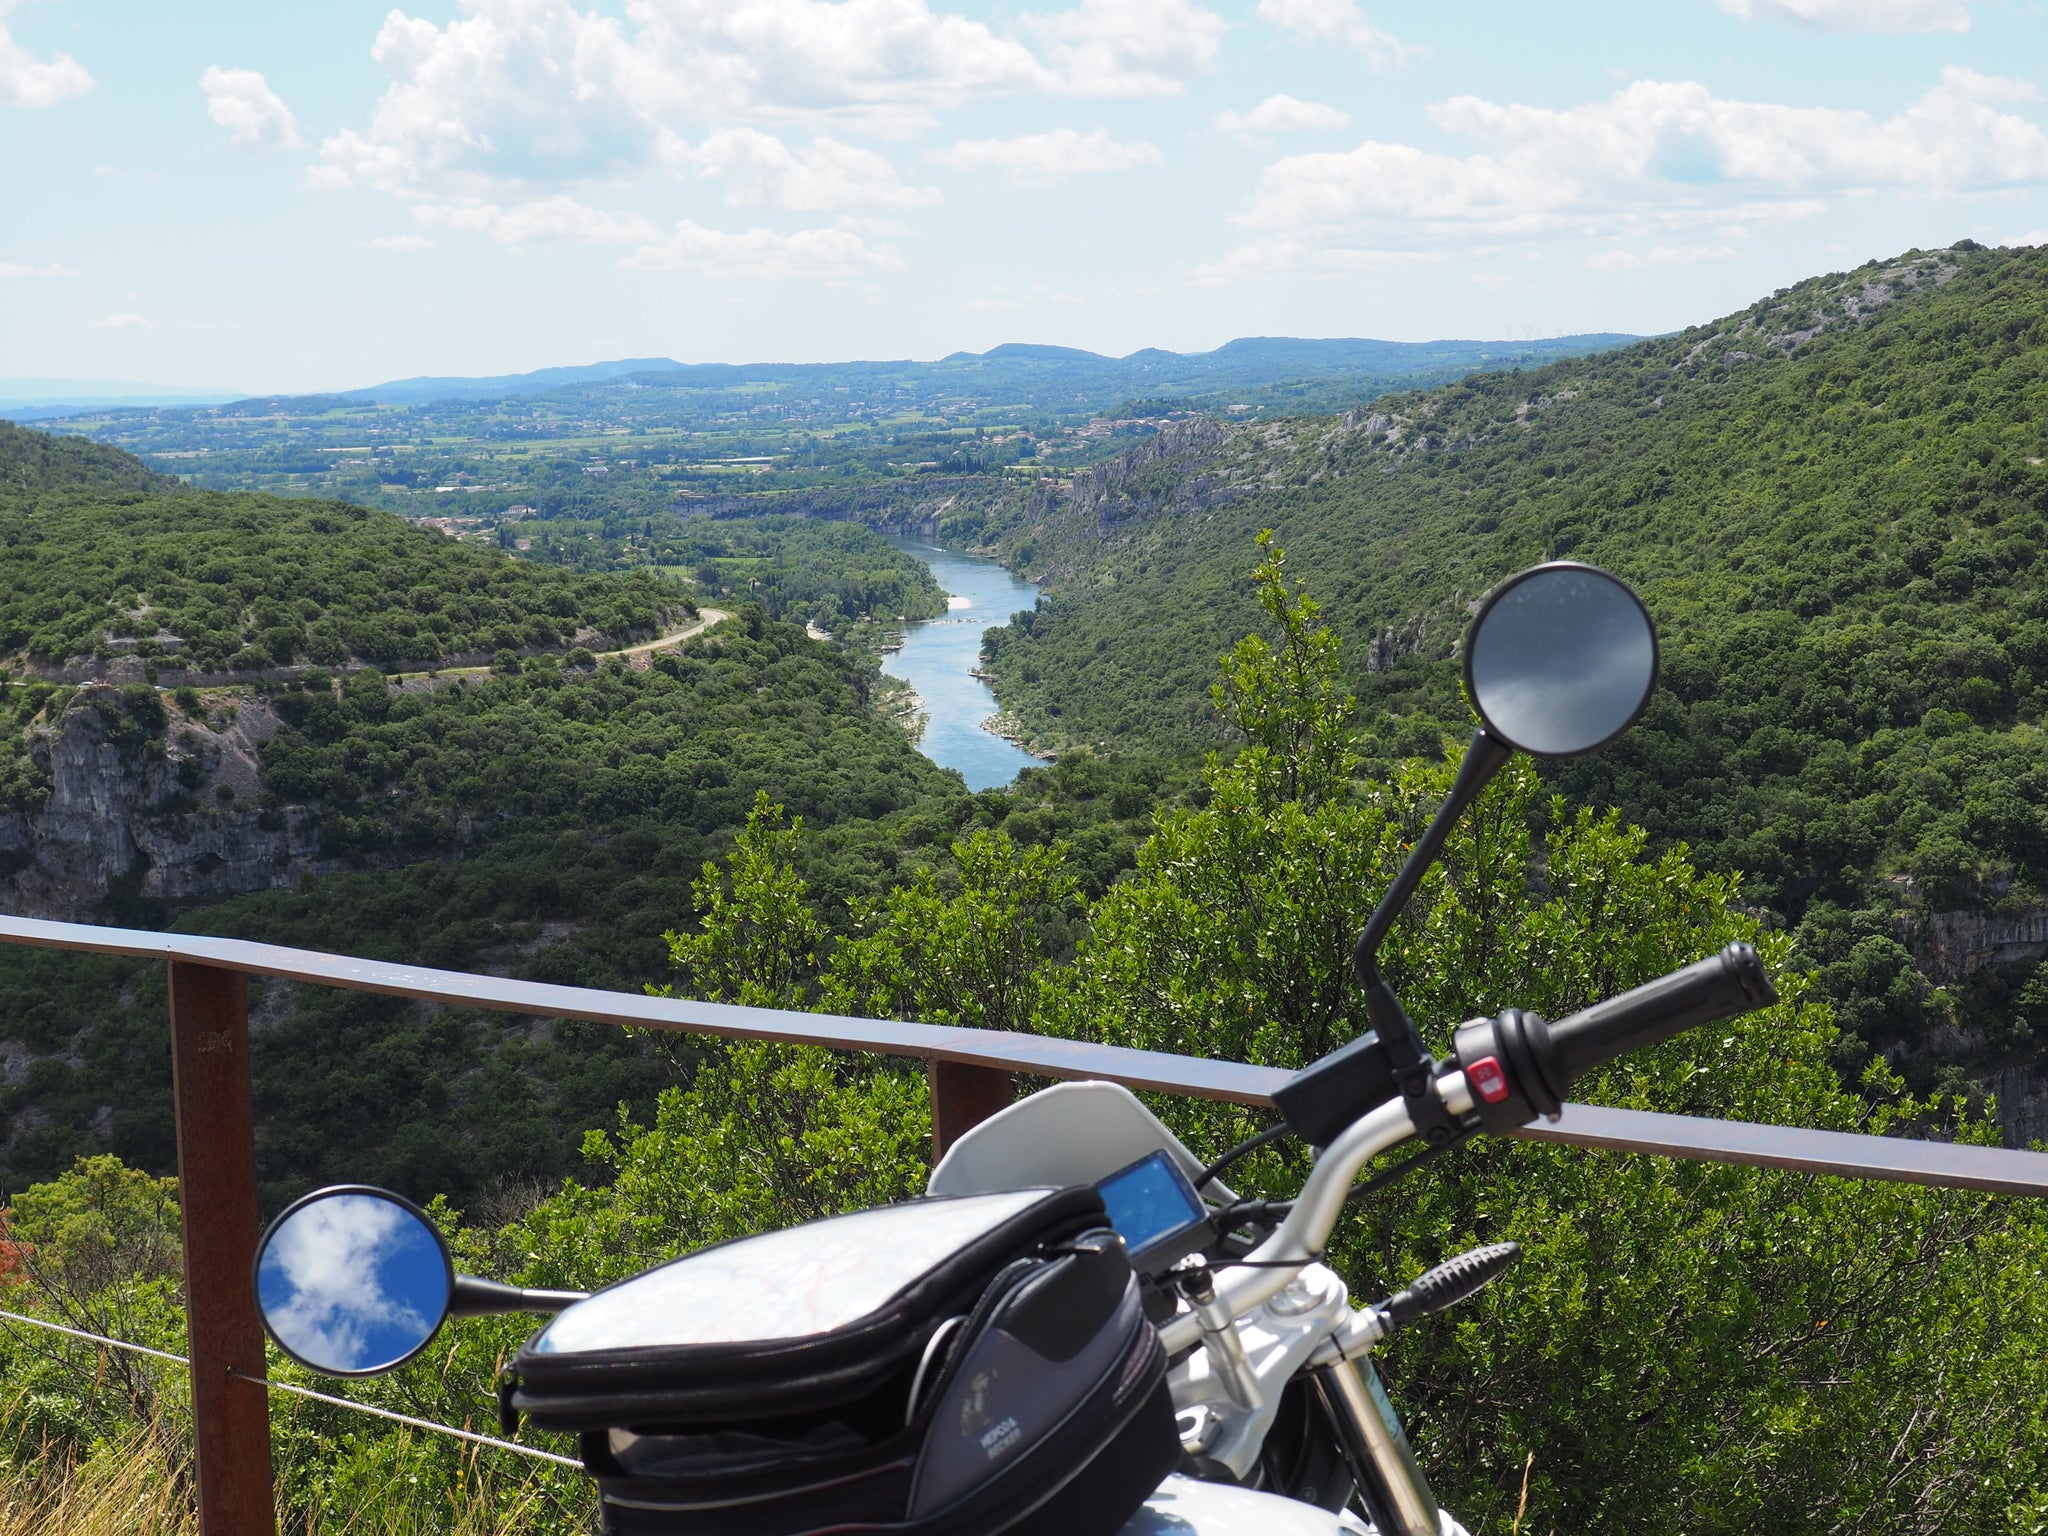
(1719, 987)
(1450, 1282)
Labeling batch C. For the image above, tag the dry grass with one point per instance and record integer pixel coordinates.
(125, 1489)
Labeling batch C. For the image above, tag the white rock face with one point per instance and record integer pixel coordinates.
(171, 818)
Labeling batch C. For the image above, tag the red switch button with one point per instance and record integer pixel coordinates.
(1487, 1079)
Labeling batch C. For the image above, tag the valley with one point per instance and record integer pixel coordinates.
(649, 435)
(1850, 724)
(646, 729)
(1833, 503)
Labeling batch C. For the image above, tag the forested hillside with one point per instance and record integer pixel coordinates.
(100, 559)
(831, 573)
(1682, 1347)
(31, 462)
(1836, 505)
(541, 813)
(544, 822)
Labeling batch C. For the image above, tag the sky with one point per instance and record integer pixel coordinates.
(256, 197)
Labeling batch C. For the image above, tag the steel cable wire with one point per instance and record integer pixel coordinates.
(318, 1397)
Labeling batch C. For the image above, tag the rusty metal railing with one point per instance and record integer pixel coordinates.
(972, 1074)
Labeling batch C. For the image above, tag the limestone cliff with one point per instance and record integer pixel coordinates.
(1951, 945)
(168, 815)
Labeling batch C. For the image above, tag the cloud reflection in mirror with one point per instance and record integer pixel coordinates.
(353, 1282)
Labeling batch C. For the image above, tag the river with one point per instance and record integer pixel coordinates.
(939, 658)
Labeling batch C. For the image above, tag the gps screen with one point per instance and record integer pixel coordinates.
(1150, 1201)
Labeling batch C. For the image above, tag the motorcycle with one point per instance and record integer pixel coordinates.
(1217, 1311)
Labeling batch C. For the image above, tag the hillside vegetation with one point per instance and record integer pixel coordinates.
(1682, 1347)
(542, 814)
(99, 559)
(1836, 505)
(31, 462)
(808, 570)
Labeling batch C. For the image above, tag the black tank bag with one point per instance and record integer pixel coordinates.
(946, 1367)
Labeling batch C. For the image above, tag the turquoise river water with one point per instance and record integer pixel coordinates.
(940, 656)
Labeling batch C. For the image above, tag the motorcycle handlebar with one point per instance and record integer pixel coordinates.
(1513, 1068)
(1719, 987)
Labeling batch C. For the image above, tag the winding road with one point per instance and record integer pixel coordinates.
(706, 617)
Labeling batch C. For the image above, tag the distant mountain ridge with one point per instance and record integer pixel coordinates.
(503, 385)
(1248, 360)
(44, 399)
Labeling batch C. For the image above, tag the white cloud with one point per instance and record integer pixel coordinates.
(542, 218)
(241, 101)
(882, 64)
(1281, 114)
(543, 94)
(762, 171)
(1264, 258)
(123, 322)
(541, 90)
(400, 243)
(1340, 22)
(1656, 159)
(1040, 159)
(510, 93)
(1859, 15)
(24, 269)
(1664, 152)
(29, 82)
(838, 252)
(2036, 237)
(1129, 47)
(1659, 256)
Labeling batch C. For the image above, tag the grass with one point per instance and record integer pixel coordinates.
(126, 1486)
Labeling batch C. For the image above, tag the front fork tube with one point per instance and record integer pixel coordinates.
(1396, 1494)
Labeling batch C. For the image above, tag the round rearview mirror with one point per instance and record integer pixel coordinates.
(1561, 659)
(353, 1281)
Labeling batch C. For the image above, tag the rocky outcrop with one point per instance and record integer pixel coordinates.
(1163, 472)
(167, 815)
(2022, 1095)
(1950, 945)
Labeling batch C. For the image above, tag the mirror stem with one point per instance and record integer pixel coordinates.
(1484, 757)
(486, 1298)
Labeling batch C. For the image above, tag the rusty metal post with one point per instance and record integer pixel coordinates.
(217, 1195)
(964, 1095)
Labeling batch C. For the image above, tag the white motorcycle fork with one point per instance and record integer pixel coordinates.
(1376, 1448)
(1227, 1394)
(1262, 1324)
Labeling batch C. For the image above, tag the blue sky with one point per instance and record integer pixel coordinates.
(265, 197)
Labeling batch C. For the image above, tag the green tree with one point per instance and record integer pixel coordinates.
(765, 1135)
(970, 958)
(1287, 704)
(96, 1249)
(757, 940)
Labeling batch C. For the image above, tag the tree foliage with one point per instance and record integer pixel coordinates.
(1683, 1347)
(93, 567)
(1835, 503)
